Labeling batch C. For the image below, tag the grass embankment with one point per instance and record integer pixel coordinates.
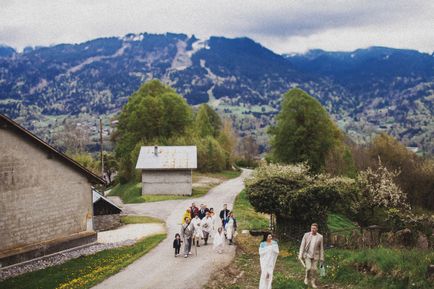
(247, 217)
(86, 271)
(132, 192)
(224, 175)
(378, 268)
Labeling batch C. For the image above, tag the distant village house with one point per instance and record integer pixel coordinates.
(167, 169)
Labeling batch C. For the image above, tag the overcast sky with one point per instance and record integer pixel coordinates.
(283, 26)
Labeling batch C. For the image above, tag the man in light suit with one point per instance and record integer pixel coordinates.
(311, 251)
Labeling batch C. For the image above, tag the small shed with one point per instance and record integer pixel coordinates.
(106, 213)
(167, 170)
(103, 206)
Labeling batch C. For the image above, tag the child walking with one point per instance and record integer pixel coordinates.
(177, 244)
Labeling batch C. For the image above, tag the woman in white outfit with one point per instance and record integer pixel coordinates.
(206, 225)
(216, 223)
(231, 227)
(268, 252)
(197, 229)
(219, 240)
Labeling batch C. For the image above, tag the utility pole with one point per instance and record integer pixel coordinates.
(101, 147)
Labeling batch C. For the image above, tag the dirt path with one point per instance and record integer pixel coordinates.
(159, 269)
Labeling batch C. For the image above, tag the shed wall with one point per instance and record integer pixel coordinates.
(166, 182)
(41, 198)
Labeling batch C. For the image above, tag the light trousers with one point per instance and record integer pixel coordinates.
(187, 245)
(311, 269)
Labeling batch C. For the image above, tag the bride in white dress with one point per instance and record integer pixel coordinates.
(219, 240)
(268, 252)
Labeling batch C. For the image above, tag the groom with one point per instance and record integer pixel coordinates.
(311, 251)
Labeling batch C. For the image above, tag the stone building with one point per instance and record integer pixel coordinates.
(167, 169)
(106, 215)
(45, 197)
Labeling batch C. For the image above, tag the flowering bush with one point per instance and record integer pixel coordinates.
(296, 197)
(377, 192)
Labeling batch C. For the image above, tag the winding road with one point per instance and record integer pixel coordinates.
(159, 269)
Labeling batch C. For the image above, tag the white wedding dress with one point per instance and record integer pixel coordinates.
(268, 256)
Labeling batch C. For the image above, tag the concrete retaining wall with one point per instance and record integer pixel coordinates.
(106, 222)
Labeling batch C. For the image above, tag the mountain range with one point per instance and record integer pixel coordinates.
(366, 91)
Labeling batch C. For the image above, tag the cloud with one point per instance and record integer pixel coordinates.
(283, 26)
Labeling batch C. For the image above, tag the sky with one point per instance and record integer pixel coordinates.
(283, 26)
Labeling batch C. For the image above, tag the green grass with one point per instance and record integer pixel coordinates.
(339, 223)
(132, 192)
(86, 271)
(247, 217)
(377, 268)
(226, 175)
(139, 220)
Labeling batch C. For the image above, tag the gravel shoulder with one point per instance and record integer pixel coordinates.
(159, 268)
(130, 232)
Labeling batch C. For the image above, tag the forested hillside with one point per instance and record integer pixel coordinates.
(366, 91)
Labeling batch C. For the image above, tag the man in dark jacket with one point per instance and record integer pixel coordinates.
(202, 211)
(224, 215)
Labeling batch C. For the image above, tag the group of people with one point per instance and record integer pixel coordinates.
(200, 224)
(310, 254)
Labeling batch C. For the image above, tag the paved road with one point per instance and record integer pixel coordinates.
(159, 269)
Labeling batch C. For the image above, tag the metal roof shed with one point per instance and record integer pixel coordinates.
(167, 169)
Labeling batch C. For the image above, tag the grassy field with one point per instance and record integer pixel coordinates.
(247, 217)
(86, 271)
(224, 175)
(131, 192)
(378, 268)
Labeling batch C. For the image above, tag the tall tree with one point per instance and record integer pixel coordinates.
(203, 123)
(153, 113)
(248, 150)
(303, 132)
(214, 119)
(228, 141)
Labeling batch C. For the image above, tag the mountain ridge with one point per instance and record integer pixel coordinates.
(367, 90)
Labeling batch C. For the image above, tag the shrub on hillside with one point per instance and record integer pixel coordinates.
(296, 197)
(376, 194)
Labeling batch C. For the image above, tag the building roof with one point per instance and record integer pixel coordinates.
(96, 197)
(6, 122)
(167, 157)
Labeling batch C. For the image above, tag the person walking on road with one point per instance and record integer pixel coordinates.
(311, 251)
(198, 232)
(187, 231)
(268, 252)
(207, 226)
(224, 215)
(231, 228)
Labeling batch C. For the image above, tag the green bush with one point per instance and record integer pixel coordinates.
(295, 197)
